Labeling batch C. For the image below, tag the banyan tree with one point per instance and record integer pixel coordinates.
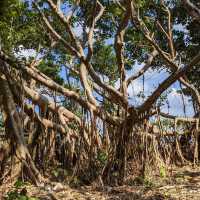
(68, 100)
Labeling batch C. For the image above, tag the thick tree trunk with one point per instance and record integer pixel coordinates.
(22, 158)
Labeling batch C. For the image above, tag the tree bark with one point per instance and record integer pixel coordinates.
(23, 158)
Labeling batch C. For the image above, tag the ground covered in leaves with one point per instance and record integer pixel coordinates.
(182, 183)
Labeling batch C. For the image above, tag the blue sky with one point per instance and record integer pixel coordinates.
(152, 79)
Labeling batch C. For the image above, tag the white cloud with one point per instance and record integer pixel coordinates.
(78, 30)
(176, 104)
(27, 53)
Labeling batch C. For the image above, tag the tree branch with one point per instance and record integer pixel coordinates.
(144, 69)
(119, 49)
(167, 83)
(193, 10)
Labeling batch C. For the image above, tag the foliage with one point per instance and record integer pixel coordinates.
(187, 38)
(1, 122)
(19, 26)
(102, 157)
(101, 62)
(139, 180)
(19, 184)
(167, 124)
(162, 172)
(19, 192)
(51, 70)
(15, 195)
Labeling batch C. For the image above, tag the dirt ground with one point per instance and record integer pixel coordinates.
(182, 183)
